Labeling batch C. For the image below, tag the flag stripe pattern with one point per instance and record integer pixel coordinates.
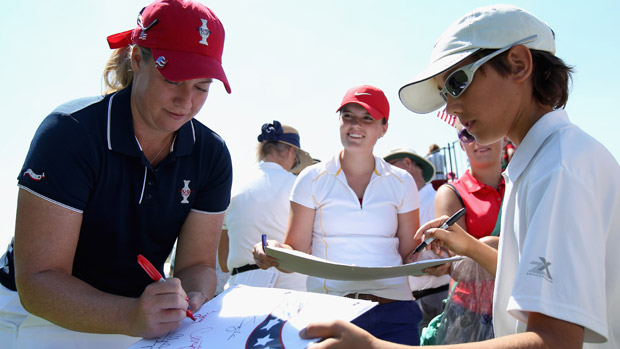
(448, 118)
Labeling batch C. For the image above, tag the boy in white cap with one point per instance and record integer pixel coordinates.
(556, 283)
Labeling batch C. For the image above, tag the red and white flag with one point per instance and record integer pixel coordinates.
(449, 118)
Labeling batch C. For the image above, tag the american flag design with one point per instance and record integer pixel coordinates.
(448, 118)
(268, 334)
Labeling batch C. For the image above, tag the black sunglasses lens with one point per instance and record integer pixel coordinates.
(456, 83)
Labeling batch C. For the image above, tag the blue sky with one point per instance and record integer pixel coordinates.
(290, 61)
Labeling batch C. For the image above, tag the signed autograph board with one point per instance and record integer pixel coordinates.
(257, 317)
(313, 266)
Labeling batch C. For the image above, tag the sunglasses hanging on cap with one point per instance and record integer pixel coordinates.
(457, 82)
(139, 21)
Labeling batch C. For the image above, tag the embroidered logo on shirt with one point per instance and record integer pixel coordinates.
(185, 192)
(35, 177)
(541, 269)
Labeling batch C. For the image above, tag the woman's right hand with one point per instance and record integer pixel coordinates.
(261, 258)
(160, 309)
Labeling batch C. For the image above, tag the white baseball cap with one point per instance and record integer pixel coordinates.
(489, 27)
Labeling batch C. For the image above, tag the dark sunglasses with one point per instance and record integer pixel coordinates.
(457, 82)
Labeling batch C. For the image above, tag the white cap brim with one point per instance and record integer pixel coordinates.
(421, 94)
(489, 27)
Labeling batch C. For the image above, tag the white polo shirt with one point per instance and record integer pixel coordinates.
(347, 231)
(427, 213)
(558, 252)
(261, 207)
(427, 203)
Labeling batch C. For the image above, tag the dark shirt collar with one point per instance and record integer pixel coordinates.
(121, 135)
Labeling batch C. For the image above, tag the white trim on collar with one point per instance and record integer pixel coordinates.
(110, 121)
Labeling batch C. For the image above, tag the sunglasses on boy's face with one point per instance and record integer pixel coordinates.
(457, 82)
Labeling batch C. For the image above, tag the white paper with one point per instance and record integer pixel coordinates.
(304, 263)
(257, 317)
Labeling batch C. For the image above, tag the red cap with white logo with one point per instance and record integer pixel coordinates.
(186, 39)
(369, 97)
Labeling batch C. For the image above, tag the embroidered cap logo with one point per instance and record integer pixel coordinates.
(204, 32)
(161, 62)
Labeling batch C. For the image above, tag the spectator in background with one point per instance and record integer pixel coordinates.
(429, 291)
(509, 150)
(262, 207)
(467, 317)
(438, 160)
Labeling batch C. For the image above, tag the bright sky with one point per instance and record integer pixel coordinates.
(286, 60)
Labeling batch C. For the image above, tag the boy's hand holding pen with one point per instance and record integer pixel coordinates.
(455, 217)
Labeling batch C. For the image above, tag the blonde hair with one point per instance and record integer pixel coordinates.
(263, 149)
(117, 73)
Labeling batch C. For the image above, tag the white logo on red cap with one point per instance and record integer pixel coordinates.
(204, 32)
(362, 94)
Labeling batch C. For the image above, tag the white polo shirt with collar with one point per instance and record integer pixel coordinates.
(261, 207)
(347, 231)
(560, 234)
(427, 213)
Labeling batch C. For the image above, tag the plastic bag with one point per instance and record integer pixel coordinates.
(467, 316)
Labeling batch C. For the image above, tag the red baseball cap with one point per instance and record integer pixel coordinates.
(186, 39)
(369, 97)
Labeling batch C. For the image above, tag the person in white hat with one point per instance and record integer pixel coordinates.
(429, 291)
(422, 172)
(557, 283)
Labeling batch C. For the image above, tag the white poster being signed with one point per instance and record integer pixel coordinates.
(257, 317)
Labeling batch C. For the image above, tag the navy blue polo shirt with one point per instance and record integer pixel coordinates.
(85, 157)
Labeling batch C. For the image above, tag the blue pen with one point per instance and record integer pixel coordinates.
(264, 237)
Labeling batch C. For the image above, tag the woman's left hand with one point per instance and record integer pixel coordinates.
(261, 258)
(424, 255)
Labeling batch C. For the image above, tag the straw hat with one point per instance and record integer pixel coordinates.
(428, 170)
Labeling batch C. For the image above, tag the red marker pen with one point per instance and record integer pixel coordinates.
(156, 276)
